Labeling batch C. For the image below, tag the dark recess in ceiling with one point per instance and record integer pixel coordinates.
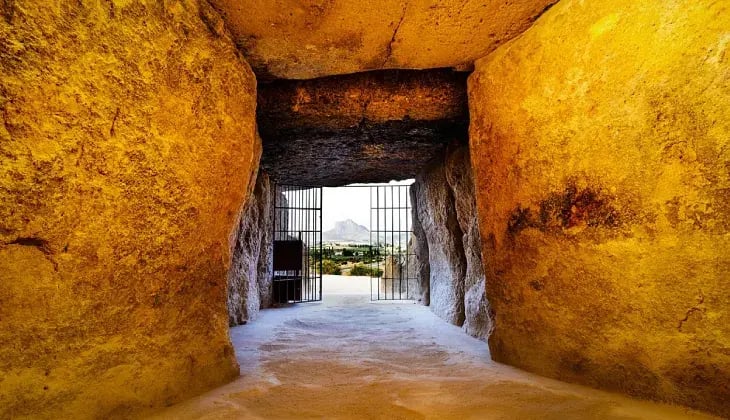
(360, 128)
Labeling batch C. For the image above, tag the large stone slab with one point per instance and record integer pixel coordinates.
(303, 39)
(447, 242)
(600, 147)
(420, 249)
(370, 127)
(457, 166)
(446, 261)
(126, 146)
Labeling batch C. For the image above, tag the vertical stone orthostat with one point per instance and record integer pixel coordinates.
(599, 140)
(448, 247)
(126, 146)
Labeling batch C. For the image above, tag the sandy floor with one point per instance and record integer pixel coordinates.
(349, 358)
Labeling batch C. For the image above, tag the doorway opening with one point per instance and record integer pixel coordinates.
(393, 273)
(367, 241)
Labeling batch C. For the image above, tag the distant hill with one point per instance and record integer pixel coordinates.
(347, 231)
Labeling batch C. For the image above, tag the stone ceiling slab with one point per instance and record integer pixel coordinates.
(302, 39)
(366, 127)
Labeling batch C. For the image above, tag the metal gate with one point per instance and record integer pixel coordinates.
(297, 262)
(393, 273)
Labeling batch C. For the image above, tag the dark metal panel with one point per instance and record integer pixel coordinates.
(288, 255)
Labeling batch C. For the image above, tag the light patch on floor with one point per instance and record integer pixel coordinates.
(349, 358)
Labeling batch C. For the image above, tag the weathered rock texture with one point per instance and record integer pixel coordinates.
(420, 249)
(447, 263)
(600, 143)
(370, 127)
(477, 319)
(445, 211)
(126, 146)
(303, 39)
(250, 274)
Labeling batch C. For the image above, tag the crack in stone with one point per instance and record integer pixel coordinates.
(458, 237)
(544, 10)
(38, 243)
(690, 311)
(389, 47)
(114, 122)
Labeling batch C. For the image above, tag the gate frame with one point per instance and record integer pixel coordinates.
(403, 208)
(299, 220)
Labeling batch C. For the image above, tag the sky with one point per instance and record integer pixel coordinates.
(344, 203)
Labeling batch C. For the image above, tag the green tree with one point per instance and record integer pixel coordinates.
(331, 267)
(363, 270)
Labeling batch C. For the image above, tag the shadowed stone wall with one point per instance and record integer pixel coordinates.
(367, 127)
(445, 224)
(250, 275)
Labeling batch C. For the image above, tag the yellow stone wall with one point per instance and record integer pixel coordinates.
(600, 141)
(126, 147)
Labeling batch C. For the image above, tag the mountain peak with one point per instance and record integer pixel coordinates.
(347, 231)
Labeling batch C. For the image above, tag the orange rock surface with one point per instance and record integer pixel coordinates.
(302, 39)
(600, 144)
(126, 147)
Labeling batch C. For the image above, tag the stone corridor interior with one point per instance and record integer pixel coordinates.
(571, 206)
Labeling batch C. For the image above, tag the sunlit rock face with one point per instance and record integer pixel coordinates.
(368, 127)
(251, 273)
(126, 147)
(448, 247)
(303, 39)
(600, 147)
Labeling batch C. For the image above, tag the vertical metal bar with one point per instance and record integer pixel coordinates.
(305, 226)
(310, 236)
(384, 226)
(299, 230)
(312, 242)
(408, 241)
(273, 273)
(295, 228)
(321, 256)
(392, 245)
(294, 206)
(384, 235)
(289, 221)
(372, 254)
(400, 250)
(377, 233)
(305, 288)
